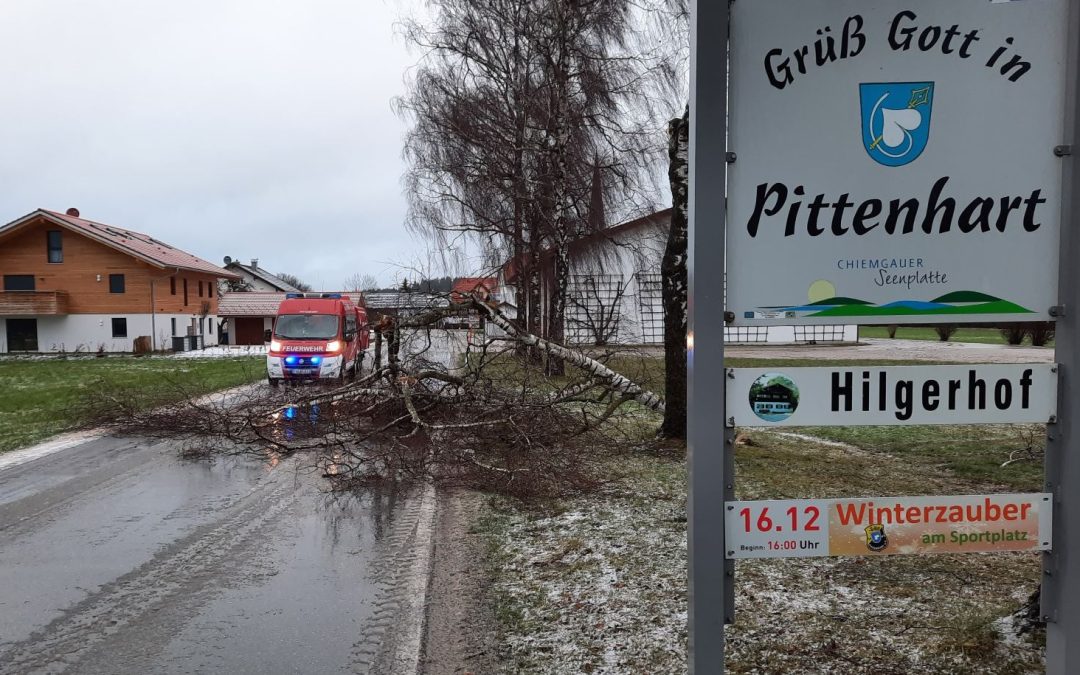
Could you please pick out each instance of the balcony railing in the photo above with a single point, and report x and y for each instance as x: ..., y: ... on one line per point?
x: 33, y: 303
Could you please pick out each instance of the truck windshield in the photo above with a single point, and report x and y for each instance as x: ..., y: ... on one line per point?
x: 306, y: 326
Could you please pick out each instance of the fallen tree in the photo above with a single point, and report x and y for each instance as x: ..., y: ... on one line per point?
x: 489, y: 419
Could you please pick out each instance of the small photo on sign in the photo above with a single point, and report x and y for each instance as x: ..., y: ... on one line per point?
x: 774, y: 397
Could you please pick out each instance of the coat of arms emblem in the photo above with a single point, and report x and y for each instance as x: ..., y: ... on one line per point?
x: 896, y: 120
x: 875, y: 537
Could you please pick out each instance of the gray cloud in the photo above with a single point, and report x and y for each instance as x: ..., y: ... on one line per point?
x: 249, y: 128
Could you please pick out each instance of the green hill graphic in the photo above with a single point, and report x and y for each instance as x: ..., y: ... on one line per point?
x: 994, y: 307
x: 840, y: 300
x: 966, y: 296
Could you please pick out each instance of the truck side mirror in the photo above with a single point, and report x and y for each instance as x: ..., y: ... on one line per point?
x: 349, y: 335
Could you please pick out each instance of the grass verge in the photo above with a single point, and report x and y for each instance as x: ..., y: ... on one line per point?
x: 990, y: 336
x: 43, y: 397
x: 598, y: 583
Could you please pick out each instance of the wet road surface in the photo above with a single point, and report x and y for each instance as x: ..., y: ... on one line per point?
x: 117, y: 556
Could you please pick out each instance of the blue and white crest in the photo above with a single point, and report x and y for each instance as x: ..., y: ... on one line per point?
x: 896, y: 120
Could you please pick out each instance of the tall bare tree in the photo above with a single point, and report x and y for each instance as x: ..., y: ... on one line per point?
x: 517, y: 107
x: 294, y: 281
x: 361, y: 282
x: 674, y: 280
x: 669, y: 25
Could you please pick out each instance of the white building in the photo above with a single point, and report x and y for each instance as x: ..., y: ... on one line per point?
x: 614, y: 293
x: 254, y: 278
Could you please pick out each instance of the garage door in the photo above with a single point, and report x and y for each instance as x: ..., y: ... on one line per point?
x: 249, y: 331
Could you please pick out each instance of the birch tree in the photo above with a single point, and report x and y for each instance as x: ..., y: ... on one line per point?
x: 670, y: 25
x: 517, y: 107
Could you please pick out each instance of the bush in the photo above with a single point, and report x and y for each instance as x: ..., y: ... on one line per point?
x: 945, y: 331
x: 1013, y: 333
x: 891, y: 328
x: 1041, y: 332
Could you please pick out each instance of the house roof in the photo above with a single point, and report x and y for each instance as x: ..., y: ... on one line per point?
x: 136, y: 244
x: 260, y: 273
x: 466, y: 285
x: 249, y: 303
x: 265, y: 303
x: 470, y: 284
x: 660, y: 218
x: 404, y: 300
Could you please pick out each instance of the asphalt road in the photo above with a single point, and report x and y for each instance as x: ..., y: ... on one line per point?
x: 117, y: 556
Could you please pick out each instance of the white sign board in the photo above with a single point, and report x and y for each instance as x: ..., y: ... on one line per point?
x: 804, y: 528
x: 894, y: 161
x: 892, y: 395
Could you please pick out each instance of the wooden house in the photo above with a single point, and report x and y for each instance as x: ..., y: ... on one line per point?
x: 75, y: 285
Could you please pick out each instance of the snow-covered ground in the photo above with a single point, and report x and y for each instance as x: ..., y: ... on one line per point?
x: 220, y: 351
x: 442, y: 347
x: 597, y: 584
x: 601, y: 586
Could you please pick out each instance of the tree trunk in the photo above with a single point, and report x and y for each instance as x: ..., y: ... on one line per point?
x: 559, y: 139
x: 619, y: 384
x: 378, y: 348
x: 523, y: 280
x: 674, y: 282
x: 534, y: 310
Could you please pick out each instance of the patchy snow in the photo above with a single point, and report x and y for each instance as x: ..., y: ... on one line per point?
x: 812, y: 439
x: 220, y: 351
x: 15, y: 458
x: 600, y: 587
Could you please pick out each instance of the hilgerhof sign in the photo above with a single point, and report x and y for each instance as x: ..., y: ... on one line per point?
x: 894, y: 160
x: 843, y: 396
x: 888, y: 525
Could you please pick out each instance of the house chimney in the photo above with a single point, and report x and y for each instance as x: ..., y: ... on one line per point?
x: 254, y: 262
x: 73, y: 212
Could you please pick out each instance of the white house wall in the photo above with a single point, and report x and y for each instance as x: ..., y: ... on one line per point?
x: 634, y: 255
x: 93, y: 332
x: 625, y: 257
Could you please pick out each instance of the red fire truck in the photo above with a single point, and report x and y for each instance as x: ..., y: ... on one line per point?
x: 317, y: 336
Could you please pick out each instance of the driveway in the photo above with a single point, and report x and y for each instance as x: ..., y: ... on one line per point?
x: 903, y: 350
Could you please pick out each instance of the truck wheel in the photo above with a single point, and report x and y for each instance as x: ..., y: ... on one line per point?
x: 274, y: 382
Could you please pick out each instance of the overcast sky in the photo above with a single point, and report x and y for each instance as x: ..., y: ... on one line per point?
x: 249, y: 128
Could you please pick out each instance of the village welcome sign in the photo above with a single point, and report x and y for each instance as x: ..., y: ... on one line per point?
x: 895, y: 161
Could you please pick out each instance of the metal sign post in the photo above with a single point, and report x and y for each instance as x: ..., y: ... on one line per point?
x: 1061, y: 566
x: 846, y: 207
x: 709, y: 451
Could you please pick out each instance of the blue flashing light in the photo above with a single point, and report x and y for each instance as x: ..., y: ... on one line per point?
x: 316, y: 360
x: 290, y: 360
x: 290, y: 412
x: 332, y: 296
